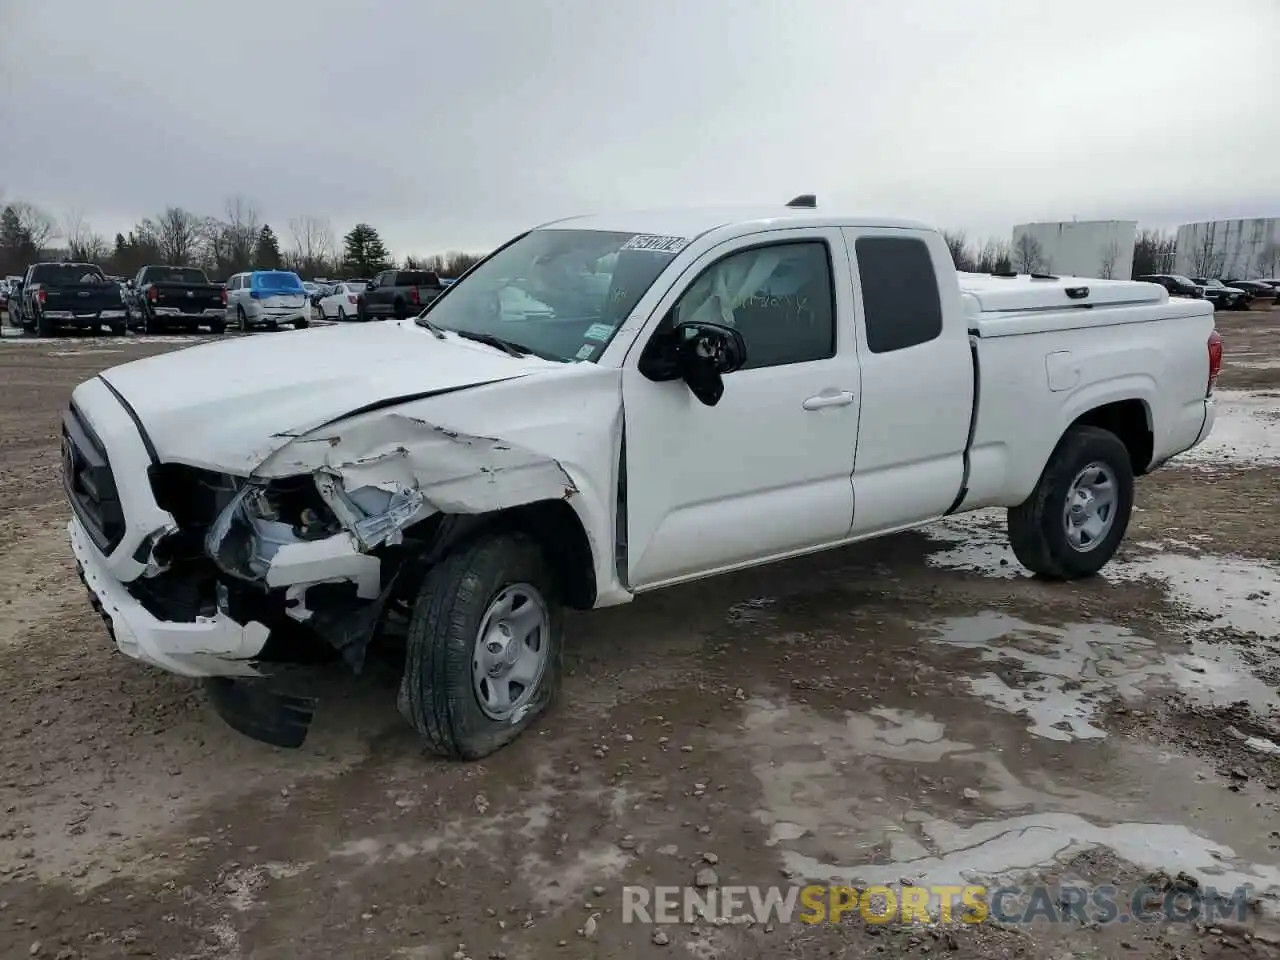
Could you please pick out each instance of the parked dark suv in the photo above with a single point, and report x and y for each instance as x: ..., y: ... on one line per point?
x: 1176, y: 284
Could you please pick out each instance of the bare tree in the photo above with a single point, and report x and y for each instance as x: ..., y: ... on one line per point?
x: 82, y: 243
x: 1206, y: 260
x: 313, y: 243
x: 1027, y: 254
x: 37, y: 225
x: 1269, y: 260
x: 1107, y: 262
x: 178, y: 234
x: 961, y: 256
x: 1153, y: 252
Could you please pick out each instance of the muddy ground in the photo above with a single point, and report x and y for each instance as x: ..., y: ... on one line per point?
x: 913, y: 710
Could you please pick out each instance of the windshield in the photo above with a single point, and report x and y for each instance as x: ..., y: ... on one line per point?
x: 561, y: 294
x: 281, y: 280
x: 1183, y: 280
x: 176, y: 275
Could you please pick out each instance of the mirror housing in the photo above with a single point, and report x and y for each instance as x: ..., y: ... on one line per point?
x: 698, y: 353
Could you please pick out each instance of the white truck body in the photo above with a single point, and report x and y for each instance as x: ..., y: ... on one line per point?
x: 396, y: 425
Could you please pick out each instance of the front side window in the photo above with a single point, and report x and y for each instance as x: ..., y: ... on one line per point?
x: 778, y: 297
x: 559, y: 294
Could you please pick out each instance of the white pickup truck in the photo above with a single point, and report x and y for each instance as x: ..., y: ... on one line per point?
x: 605, y: 406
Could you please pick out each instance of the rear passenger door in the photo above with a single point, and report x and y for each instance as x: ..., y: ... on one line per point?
x: 917, y: 378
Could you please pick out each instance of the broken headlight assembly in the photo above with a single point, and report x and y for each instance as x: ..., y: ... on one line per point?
x: 263, y: 517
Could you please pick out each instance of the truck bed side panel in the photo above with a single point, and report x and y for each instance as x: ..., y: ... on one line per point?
x: 1035, y: 385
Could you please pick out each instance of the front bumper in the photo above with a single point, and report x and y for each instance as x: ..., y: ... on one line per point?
x: 214, y: 646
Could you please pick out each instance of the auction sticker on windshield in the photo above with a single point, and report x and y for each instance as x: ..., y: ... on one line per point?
x: 598, y: 331
x: 655, y: 244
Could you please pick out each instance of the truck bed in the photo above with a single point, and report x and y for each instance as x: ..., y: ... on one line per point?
x: 1001, y: 305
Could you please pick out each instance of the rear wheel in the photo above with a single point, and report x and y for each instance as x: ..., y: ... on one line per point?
x: 484, y: 647
x: 342, y: 315
x: 401, y: 310
x: 218, y: 327
x: 1075, y: 518
x: 301, y: 324
x: 44, y: 326
x: 118, y: 329
x: 242, y: 320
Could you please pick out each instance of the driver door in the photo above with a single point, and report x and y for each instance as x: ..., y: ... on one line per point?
x: 766, y: 472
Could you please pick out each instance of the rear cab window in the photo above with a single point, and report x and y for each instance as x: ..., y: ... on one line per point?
x: 900, y: 299
x: 56, y: 274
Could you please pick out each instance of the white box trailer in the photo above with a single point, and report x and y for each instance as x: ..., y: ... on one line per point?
x: 1077, y: 248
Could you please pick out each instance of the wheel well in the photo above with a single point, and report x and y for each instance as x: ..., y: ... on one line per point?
x: 556, y: 528
x: 1128, y: 420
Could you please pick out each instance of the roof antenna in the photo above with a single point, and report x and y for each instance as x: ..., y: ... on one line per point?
x: 806, y: 201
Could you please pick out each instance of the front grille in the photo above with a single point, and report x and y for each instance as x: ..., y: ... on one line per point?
x: 89, y: 482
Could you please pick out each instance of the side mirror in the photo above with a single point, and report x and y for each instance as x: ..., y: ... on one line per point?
x: 698, y: 353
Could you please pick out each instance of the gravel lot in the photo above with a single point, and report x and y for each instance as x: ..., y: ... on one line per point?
x: 911, y: 709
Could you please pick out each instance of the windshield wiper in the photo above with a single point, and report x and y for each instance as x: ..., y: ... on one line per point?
x: 506, y: 346
x: 437, y: 332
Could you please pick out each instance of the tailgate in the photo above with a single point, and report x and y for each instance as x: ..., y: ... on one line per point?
x: 83, y: 297
x: 190, y: 298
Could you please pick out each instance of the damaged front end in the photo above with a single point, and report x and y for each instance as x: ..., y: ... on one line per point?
x: 314, y: 563
x: 310, y: 551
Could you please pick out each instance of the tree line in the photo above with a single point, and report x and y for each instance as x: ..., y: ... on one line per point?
x: 240, y: 239
x: 1153, y: 252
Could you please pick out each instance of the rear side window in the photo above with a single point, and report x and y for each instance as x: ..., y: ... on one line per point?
x: 900, y: 297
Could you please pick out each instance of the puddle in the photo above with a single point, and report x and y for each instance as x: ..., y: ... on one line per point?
x: 835, y: 799
x: 1068, y: 671
x: 978, y: 543
x: 1245, y: 434
x: 1220, y: 592
x: 942, y: 852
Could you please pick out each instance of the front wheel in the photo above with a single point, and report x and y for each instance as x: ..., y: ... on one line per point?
x: 242, y: 320
x: 301, y: 324
x: 342, y: 315
x: 484, y: 647
x: 1075, y: 518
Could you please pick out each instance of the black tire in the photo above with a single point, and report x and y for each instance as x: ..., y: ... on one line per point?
x: 342, y: 315
x: 217, y: 329
x: 1038, y: 526
x: 301, y: 324
x: 400, y: 310
x: 437, y: 693
x: 242, y: 320
x: 118, y: 329
x: 44, y: 326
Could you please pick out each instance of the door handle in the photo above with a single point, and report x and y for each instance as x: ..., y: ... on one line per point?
x: 824, y: 400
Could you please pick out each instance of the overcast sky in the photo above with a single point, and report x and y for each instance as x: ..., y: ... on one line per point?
x: 455, y: 124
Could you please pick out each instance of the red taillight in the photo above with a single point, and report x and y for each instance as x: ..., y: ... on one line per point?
x: 153, y: 295
x: 224, y: 296
x: 351, y: 298
x: 413, y: 296
x: 1215, y: 361
x: 41, y: 296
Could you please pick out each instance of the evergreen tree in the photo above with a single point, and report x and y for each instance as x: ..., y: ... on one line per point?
x: 267, y: 256
x: 364, y: 253
x: 17, y: 248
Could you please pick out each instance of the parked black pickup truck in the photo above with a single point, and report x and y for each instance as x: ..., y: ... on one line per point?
x: 161, y: 298
x: 398, y: 293
x: 56, y: 295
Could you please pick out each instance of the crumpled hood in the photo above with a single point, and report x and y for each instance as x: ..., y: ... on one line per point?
x: 227, y: 406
